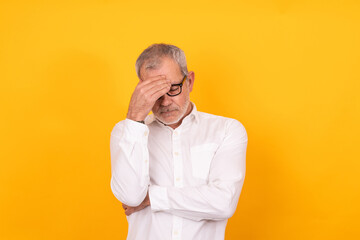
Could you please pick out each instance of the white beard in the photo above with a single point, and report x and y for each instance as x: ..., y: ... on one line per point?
x: 182, y: 112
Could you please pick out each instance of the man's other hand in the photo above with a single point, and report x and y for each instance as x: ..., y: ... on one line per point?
x: 130, y: 210
x: 145, y: 95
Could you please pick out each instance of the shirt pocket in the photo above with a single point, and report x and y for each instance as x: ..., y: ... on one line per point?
x: 201, y: 157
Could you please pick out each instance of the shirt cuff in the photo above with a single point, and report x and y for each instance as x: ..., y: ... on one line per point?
x: 158, y: 198
x: 135, y: 129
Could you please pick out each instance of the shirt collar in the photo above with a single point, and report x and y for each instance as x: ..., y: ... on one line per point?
x: 194, y: 115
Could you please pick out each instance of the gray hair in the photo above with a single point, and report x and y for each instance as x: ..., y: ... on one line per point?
x: 152, y: 56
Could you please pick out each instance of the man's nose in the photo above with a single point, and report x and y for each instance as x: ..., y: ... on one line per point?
x: 165, y: 100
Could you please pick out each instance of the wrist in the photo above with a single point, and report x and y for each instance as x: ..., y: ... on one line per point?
x: 136, y: 118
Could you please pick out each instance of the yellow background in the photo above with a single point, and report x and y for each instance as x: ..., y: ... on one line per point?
x: 289, y: 70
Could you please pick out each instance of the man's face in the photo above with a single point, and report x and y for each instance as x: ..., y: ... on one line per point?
x: 171, y: 110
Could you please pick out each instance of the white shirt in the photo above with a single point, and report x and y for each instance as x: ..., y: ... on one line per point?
x: 194, y: 175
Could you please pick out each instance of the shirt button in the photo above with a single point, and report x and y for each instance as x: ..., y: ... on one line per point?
x: 175, y: 232
x: 176, y: 153
x: 177, y: 179
x: 146, y: 161
x: 175, y: 133
x: 145, y: 134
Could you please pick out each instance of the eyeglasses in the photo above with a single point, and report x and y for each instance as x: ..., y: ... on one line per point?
x: 176, y: 89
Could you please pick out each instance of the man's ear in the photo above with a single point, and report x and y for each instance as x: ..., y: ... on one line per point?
x: 190, y: 80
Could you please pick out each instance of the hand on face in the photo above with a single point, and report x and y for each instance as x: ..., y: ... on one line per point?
x: 145, y: 95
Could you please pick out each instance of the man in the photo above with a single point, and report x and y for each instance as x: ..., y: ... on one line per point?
x: 178, y: 172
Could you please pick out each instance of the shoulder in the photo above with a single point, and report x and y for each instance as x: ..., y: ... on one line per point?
x: 228, y: 125
x: 216, y: 119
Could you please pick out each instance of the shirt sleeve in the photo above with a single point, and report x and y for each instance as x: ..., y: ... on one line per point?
x: 217, y: 200
x: 129, y: 162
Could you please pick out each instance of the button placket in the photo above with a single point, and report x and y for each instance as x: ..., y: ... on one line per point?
x: 177, y: 157
x: 145, y: 154
x: 177, y: 228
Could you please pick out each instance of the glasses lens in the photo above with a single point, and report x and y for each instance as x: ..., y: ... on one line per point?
x: 174, y: 90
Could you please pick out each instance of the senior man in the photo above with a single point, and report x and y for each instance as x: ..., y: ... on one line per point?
x: 178, y: 172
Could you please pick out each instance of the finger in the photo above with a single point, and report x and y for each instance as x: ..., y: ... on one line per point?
x: 150, y: 90
x: 149, y: 79
x: 129, y: 211
x: 159, y: 87
x: 157, y: 93
x: 146, y: 86
x: 124, y: 206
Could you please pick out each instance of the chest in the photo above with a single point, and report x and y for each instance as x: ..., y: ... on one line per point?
x: 182, y: 158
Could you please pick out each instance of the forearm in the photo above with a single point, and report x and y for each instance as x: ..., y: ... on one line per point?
x: 129, y: 162
x: 207, y: 202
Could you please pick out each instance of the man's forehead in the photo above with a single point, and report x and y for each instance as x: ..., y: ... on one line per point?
x: 161, y: 66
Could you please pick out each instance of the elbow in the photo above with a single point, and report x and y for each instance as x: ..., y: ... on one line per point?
x: 227, y: 204
x: 132, y: 197
x: 226, y: 211
x: 133, y: 201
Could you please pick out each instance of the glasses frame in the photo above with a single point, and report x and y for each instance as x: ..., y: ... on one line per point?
x: 177, y: 85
